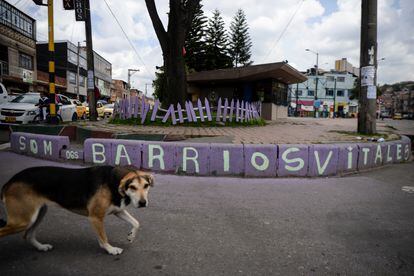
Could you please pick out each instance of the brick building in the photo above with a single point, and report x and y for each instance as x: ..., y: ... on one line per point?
x: 17, y: 49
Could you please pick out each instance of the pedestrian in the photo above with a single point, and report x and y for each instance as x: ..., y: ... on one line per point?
x: 43, y: 106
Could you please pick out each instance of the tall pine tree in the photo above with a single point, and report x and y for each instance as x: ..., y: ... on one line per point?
x: 216, y: 44
x: 194, y: 44
x: 240, y: 43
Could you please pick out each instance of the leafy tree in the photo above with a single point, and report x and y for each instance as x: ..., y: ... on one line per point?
x: 240, y: 43
x: 159, y: 84
x: 216, y: 44
x: 172, y: 40
x: 194, y: 44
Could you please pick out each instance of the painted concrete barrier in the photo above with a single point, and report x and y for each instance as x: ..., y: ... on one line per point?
x: 39, y: 145
x: 220, y: 159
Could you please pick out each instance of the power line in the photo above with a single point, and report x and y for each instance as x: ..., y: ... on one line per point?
x: 285, y: 29
x: 126, y: 36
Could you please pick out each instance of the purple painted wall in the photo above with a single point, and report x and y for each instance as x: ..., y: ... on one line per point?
x: 260, y: 160
x: 219, y: 159
x: 39, y: 145
x: 293, y: 160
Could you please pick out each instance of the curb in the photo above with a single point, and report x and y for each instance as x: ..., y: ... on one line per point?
x: 216, y: 159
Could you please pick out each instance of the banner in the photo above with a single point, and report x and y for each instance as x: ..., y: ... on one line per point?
x: 80, y: 10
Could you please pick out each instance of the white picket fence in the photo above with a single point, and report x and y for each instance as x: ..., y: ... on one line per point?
x: 236, y: 110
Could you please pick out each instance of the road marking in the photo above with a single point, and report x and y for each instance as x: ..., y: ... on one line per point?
x: 408, y: 189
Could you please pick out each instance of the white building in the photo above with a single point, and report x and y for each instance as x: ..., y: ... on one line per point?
x: 332, y: 95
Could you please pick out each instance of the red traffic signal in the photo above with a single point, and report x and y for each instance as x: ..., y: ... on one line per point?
x: 69, y: 4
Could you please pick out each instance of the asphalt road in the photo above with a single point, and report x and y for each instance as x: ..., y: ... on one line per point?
x: 357, y: 225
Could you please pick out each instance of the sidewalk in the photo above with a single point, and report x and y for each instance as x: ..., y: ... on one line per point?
x: 283, y: 131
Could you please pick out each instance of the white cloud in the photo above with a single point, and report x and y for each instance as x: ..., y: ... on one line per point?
x: 334, y: 35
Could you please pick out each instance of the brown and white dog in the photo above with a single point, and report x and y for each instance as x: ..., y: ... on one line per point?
x: 93, y: 192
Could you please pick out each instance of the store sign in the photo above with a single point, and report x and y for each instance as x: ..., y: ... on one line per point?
x: 27, y: 76
x: 80, y: 10
x: 69, y: 4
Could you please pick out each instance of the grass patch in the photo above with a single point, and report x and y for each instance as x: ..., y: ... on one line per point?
x: 168, y: 123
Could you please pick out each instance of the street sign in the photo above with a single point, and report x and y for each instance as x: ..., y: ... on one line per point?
x: 69, y: 4
x: 80, y: 10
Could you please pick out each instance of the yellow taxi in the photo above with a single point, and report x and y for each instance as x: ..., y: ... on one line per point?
x: 99, y: 109
x: 80, y: 109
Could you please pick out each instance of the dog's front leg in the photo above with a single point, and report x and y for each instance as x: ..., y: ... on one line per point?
x: 98, y: 225
x: 125, y: 216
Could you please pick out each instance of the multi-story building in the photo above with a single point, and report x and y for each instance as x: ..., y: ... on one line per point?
x: 119, y: 90
x: 332, y: 95
x: 342, y: 65
x: 69, y: 58
x: 66, y: 68
x: 17, y: 49
x: 103, y: 74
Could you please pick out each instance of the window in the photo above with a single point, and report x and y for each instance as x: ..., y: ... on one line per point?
x: 340, y: 79
x: 330, y: 78
x: 311, y: 93
x: 72, y: 57
x: 329, y: 92
x: 25, y: 61
x: 340, y: 93
x: 72, y: 77
x: 299, y: 92
x: 15, y: 19
x: 81, y: 80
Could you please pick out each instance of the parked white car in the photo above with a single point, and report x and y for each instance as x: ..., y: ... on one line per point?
x: 4, y: 96
x: 23, y: 109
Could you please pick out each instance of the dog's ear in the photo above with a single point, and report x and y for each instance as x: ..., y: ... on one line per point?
x: 150, y: 179
x: 121, y: 176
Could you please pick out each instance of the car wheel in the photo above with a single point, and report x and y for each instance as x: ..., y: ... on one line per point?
x: 74, y: 117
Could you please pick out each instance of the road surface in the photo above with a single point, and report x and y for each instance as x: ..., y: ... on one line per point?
x: 357, y: 225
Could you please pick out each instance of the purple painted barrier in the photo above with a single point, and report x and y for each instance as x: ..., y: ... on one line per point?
x: 219, y: 159
x: 226, y: 159
x: 293, y: 160
x: 200, y: 110
x: 125, y: 152
x: 154, y: 111
x: 38, y: 145
x: 348, y: 158
x: 98, y: 151
x: 158, y: 156
x: 323, y: 160
x: 192, y: 159
x: 260, y: 160
x: 366, y: 156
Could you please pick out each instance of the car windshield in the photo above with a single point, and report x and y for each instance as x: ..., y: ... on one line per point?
x: 32, y: 99
x: 109, y: 105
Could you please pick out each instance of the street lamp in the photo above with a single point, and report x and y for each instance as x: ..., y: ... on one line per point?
x: 316, y: 75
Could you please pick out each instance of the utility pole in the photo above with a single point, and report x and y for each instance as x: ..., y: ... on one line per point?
x: 130, y: 73
x: 51, y: 47
x: 91, y: 68
x: 297, y: 99
x: 368, y: 68
x: 77, y: 73
x: 334, y: 105
x: 316, y: 79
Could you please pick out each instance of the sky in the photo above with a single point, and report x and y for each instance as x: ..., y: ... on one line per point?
x: 329, y: 27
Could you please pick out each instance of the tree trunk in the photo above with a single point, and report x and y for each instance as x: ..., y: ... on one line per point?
x: 172, y: 43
